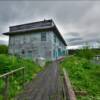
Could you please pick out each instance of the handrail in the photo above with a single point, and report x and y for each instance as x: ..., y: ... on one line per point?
x: 6, y: 80
x: 13, y: 71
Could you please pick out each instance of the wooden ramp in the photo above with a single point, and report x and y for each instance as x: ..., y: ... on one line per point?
x: 47, y: 86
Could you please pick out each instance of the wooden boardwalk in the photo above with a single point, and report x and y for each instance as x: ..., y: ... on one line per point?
x: 47, y: 86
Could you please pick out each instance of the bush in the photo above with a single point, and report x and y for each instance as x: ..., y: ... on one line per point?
x: 84, y: 75
x: 3, y: 49
x: 86, y: 52
x: 9, y: 63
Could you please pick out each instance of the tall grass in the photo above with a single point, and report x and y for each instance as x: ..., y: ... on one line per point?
x: 84, y: 76
x: 9, y: 63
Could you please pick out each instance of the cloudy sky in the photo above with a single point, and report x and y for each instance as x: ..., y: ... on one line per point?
x: 78, y: 21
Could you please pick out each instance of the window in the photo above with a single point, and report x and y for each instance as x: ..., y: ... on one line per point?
x: 43, y: 36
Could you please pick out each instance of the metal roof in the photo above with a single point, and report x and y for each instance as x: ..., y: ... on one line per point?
x: 35, y: 26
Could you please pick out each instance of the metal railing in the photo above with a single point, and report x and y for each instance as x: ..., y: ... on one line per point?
x: 6, y: 77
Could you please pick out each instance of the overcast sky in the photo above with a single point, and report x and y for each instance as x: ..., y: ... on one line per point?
x: 78, y: 21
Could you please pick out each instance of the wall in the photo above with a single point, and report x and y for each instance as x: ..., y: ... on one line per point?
x: 24, y: 43
x: 30, y: 45
x: 58, y: 48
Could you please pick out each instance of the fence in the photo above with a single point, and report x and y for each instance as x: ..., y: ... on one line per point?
x: 6, y: 77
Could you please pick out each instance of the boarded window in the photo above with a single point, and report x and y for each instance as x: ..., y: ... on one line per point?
x: 43, y: 36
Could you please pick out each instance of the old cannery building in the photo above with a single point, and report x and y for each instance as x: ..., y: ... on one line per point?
x: 37, y: 39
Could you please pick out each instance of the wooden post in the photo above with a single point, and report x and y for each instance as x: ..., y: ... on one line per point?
x: 23, y: 77
x: 70, y: 91
x: 6, y: 94
x: 6, y: 76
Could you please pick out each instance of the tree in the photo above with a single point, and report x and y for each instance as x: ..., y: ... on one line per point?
x: 86, y: 52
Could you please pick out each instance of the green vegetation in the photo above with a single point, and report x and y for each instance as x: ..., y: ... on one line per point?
x: 3, y: 49
x: 97, y: 51
x: 83, y: 73
x: 9, y: 63
x: 84, y: 76
x: 86, y: 52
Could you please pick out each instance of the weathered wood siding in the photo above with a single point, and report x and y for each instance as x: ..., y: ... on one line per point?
x: 57, y: 45
x: 29, y: 45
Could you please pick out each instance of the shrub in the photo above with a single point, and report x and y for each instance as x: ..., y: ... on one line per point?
x: 3, y: 49
x: 84, y: 75
x: 9, y: 63
x: 86, y: 52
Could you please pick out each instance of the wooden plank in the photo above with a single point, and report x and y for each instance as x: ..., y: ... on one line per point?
x: 69, y: 91
x: 13, y: 71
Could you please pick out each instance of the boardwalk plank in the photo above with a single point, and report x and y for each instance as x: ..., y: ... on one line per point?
x: 47, y: 86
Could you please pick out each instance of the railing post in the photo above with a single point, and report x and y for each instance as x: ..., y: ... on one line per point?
x: 69, y: 89
x: 23, y: 77
x: 5, y: 92
x: 6, y: 76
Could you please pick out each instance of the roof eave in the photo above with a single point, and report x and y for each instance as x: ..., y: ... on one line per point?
x: 22, y: 31
x: 38, y: 29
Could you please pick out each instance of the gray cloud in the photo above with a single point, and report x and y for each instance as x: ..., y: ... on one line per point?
x: 3, y: 42
x: 79, y: 19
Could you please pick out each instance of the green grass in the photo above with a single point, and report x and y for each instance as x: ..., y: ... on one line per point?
x: 9, y: 63
x: 84, y: 76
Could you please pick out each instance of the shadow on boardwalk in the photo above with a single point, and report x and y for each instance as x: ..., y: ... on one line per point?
x: 47, y: 86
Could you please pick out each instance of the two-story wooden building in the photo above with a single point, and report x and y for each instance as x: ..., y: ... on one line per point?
x: 37, y: 39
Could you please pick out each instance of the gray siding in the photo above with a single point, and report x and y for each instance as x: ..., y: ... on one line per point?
x: 58, y: 44
x: 30, y: 45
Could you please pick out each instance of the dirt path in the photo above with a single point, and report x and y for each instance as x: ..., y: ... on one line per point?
x: 47, y: 86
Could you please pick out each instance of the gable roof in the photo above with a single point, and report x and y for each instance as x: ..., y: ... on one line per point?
x: 35, y: 26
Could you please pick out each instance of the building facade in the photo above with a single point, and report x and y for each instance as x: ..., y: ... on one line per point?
x: 35, y: 40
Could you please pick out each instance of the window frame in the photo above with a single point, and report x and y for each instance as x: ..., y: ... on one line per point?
x: 43, y: 36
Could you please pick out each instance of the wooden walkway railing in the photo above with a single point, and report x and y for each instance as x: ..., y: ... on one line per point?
x: 5, y: 77
x: 69, y: 92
